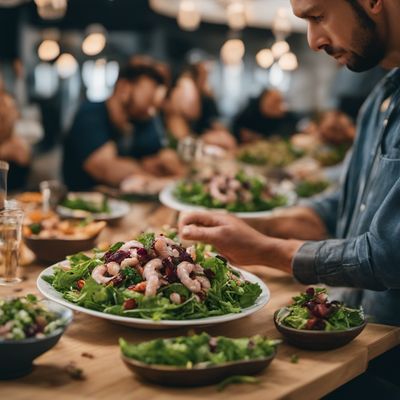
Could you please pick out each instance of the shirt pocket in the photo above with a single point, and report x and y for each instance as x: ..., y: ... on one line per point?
x: 386, y: 175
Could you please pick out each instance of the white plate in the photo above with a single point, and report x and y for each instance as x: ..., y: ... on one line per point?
x: 168, y: 198
x: 48, y: 291
x: 118, y: 208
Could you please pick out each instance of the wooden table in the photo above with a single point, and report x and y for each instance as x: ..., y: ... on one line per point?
x: 315, y: 374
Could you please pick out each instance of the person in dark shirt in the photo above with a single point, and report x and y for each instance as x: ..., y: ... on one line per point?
x: 263, y: 117
x: 108, y: 139
x: 13, y: 149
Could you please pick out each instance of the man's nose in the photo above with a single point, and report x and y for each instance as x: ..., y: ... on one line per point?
x: 317, y: 38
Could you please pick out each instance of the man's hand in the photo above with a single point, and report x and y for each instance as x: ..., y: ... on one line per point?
x: 237, y: 241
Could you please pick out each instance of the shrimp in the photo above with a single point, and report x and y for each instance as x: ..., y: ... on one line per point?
x: 183, y: 270
x: 221, y: 192
x: 131, y: 244
x: 204, y: 282
x: 161, y: 247
x: 150, y: 273
x: 175, y: 298
x: 129, y: 262
x: 113, y: 268
x: 192, y: 252
x: 98, y: 274
x: 234, y: 184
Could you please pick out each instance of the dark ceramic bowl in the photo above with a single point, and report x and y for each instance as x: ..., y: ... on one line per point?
x: 197, y: 376
x: 52, y: 250
x: 17, y: 356
x: 317, y: 340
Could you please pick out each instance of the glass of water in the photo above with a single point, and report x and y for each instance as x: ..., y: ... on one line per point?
x: 10, y: 240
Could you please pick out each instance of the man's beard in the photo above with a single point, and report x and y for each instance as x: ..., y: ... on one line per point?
x: 371, y: 49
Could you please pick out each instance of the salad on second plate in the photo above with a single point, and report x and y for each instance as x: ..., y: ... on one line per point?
x: 236, y: 192
x: 154, y: 277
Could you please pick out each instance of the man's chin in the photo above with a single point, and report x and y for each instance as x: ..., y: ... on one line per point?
x: 362, y: 64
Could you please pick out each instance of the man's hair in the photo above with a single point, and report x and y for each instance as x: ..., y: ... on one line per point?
x: 365, y: 19
x: 132, y: 73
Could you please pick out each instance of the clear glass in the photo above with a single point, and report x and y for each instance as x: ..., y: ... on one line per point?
x: 3, y: 183
x: 10, y: 240
x: 52, y: 193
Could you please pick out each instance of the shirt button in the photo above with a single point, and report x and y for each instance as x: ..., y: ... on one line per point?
x: 362, y: 207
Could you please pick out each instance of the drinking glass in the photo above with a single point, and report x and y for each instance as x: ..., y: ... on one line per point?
x: 3, y: 183
x: 52, y: 193
x: 10, y: 240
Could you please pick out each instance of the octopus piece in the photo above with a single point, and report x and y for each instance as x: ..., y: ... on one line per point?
x: 98, y: 274
x: 131, y: 244
x: 183, y: 270
x: 151, y: 274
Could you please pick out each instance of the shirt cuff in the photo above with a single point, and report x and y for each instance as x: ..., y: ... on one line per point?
x: 304, y: 263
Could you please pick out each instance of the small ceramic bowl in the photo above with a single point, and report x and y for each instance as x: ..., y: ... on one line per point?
x: 197, y: 376
x: 52, y: 250
x: 317, y: 340
x: 17, y: 356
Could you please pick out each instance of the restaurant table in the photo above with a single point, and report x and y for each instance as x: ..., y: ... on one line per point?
x: 92, y: 345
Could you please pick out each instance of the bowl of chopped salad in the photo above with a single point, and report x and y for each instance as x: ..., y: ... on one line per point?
x: 153, y: 282
x: 315, y: 323
x: 28, y: 328
x: 198, y: 360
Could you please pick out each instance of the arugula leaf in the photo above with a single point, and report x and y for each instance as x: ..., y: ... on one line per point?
x: 147, y: 240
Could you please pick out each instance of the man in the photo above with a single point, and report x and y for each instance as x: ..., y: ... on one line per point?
x: 364, y: 216
x: 264, y: 116
x: 96, y: 149
x: 13, y: 149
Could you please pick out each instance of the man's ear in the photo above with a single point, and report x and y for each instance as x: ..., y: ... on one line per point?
x: 373, y: 6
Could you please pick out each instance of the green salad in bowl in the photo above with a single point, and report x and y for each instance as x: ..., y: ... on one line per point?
x: 312, y: 322
x: 311, y: 310
x: 199, y: 359
x: 26, y: 317
x: 155, y: 278
x: 199, y: 350
x: 238, y: 192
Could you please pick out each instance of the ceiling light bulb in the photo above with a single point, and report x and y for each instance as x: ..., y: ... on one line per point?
x: 280, y: 48
x: 288, y: 62
x: 48, y: 50
x: 265, y: 58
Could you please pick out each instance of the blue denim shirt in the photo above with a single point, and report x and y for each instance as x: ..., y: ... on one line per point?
x: 364, y: 215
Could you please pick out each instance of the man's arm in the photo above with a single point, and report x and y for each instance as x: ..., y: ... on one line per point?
x: 297, y: 222
x: 106, y: 166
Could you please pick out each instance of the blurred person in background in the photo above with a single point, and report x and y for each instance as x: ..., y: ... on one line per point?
x: 13, y: 149
x: 190, y: 109
x: 109, y: 140
x: 264, y: 116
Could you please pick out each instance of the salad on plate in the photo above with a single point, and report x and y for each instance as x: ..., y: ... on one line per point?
x: 238, y: 192
x: 154, y: 278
